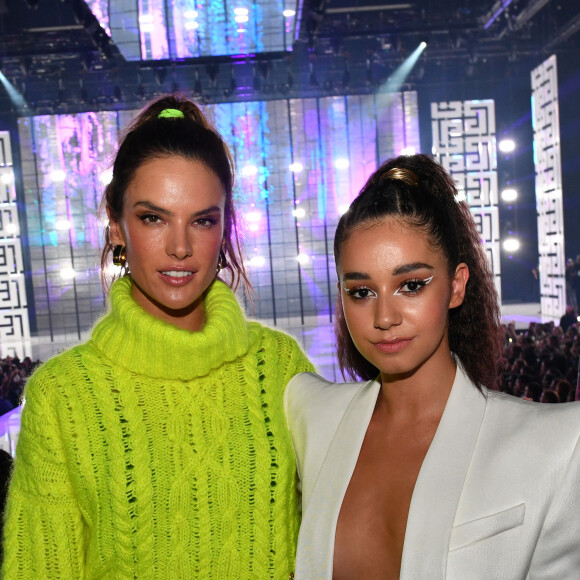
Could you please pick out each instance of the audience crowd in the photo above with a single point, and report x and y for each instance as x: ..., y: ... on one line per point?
x: 13, y: 375
x: 541, y: 363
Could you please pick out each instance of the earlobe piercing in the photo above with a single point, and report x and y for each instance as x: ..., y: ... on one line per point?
x: 120, y: 256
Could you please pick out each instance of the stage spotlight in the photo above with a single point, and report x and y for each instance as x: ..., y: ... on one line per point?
x: 509, y: 194
x: 253, y: 216
x: 106, y: 177
x: 15, y: 96
x: 62, y: 225
x: 296, y: 167
x: 257, y: 261
x: 343, y: 208
x: 342, y: 163
x: 303, y: 259
x: 249, y: 170
x: 289, y: 13
x: 57, y: 175
x: 67, y: 273
x: 506, y: 145
x: 396, y: 80
x: 299, y: 212
x: 511, y: 245
x: 7, y: 178
x: 408, y: 151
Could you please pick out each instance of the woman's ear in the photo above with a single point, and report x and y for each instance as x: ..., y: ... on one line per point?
x: 115, y: 231
x: 458, y: 285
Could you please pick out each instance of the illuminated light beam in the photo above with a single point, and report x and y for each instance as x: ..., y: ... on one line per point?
x: 17, y: 99
x: 397, y: 79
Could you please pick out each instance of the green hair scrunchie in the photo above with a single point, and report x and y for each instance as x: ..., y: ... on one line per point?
x: 171, y: 114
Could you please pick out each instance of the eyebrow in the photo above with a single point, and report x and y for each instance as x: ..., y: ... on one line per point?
x: 404, y: 269
x: 151, y: 206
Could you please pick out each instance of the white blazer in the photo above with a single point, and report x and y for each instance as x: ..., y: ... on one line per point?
x: 497, y: 496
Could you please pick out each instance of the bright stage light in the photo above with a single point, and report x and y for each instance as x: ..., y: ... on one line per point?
x: 296, y: 167
x: 509, y: 194
x: 241, y: 19
x: 62, y: 225
x: 11, y: 228
x: 511, y: 245
x: 67, y: 273
x: 303, y: 259
x: 506, y: 145
x: 106, y: 176
x: 408, y: 151
x: 57, y: 175
x: 299, y: 212
x: 192, y: 25
x: 254, y: 227
x: 190, y: 14
x: 396, y: 80
x: 253, y: 216
x: 343, y: 208
x: 7, y: 178
x: 342, y: 163
x: 257, y: 261
x: 15, y: 97
x: 289, y: 13
x: 249, y: 170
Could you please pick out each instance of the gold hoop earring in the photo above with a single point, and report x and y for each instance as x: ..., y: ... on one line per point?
x: 222, y: 262
x: 120, y: 256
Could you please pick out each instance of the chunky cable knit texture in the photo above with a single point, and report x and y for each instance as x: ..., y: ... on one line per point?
x: 153, y: 452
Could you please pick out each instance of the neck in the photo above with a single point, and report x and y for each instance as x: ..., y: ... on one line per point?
x: 420, y: 393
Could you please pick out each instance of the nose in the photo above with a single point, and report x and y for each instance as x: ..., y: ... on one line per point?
x: 387, y: 313
x: 179, y: 243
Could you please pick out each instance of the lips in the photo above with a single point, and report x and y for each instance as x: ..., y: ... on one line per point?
x: 392, y: 346
x: 176, y: 277
x: 177, y: 273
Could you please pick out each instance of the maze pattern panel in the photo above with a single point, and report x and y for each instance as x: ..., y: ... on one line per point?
x: 547, y: 160
x: 464, y: 142
x: 14, y: 325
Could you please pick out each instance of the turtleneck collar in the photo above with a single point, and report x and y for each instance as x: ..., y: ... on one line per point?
x: 138, y: 341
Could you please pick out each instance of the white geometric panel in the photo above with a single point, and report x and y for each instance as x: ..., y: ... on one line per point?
x: 464, y: 143
x: 547, y: 160
x: 14, y: 323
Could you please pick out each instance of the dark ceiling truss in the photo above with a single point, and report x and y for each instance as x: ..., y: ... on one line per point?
x: 62, y: 60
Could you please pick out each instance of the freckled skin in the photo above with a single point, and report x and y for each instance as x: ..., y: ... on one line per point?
x: 173, y: 220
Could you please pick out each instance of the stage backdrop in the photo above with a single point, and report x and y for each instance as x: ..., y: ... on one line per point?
x: 299, y: 164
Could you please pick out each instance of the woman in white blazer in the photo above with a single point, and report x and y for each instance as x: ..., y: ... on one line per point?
x: 421, y: 472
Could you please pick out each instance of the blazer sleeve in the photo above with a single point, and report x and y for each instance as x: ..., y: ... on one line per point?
x: 44, y: 529
x: 557, y: 555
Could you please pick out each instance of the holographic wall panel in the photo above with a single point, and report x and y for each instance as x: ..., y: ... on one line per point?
x: 464, y: 142
x: 169, y: 29
x: 14, y: 324
x: 299, y: 164
x: 548, y: 164
x: 64, y: 160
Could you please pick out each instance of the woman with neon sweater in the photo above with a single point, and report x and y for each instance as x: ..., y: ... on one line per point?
x: 159, y: 448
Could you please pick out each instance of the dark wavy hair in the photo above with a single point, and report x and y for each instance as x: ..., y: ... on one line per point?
x: 192, y: 137
x: 430, y: 204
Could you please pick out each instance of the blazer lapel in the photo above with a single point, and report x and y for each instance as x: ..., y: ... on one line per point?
x: 318, y: 528
x: 440, y: 482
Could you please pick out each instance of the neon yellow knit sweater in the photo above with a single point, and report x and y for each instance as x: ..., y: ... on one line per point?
x: 153, y: 452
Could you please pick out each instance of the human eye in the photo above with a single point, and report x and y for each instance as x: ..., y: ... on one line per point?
x: 359, y: 293
x: 412, y: 287
x: 150, y: 218
x: 206, y: 221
